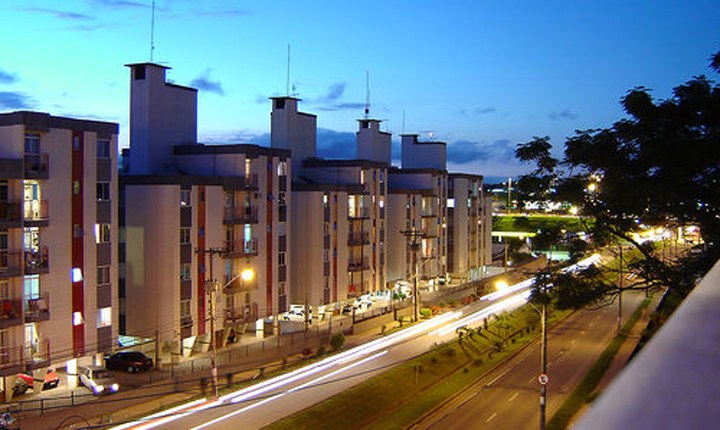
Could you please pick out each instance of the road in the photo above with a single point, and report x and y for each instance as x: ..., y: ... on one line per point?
x: 275, y: 398
x: 508, y: 397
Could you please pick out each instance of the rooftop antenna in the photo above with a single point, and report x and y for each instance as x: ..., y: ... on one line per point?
x: 152, y: 32
x: 287, y: 76
x: 367, y: 93
x: 403, y: 124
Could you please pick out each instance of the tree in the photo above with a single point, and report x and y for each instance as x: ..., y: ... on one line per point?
x: 658, y: 166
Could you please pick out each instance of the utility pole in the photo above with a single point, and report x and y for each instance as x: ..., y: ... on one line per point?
x: 413, y: 236
x: 211, y: 288
x: 543, y: 365
x: 619, y: 317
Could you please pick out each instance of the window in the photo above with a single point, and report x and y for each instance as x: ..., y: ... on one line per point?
x: 104, y: 317
x: 77, y: 318
x: 139, y: 73
x: 282, y: 243
x: 281, y: 259
x: 184, y: 235
x: 184, y: 308
x: 103, y: 148
x: 282, y: 168
x: 103, y: 191
x: 103, y: 275
x: 102, y: 233
x: 185, y: 198
x: 185, y: 271
x: 4, y: 191
x: 76, y: 187
x: 32, y: 143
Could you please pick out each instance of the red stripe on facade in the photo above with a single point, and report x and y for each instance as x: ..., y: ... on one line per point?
x: 200, y: 263
x: 78, y: 252
x: 268, y: 241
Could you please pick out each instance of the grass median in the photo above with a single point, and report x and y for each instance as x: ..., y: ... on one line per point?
x: 405, y: 392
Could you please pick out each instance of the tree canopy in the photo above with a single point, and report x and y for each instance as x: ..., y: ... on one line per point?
x: 658, y: 166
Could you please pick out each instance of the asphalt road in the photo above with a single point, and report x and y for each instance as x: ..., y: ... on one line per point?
x: 508, y: 397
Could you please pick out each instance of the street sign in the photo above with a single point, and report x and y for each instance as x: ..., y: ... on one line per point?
x: 543, y: 379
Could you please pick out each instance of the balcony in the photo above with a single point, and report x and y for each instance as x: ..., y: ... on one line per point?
x: 240, y: 215
x: 359, y: 238
x: 10, y: 215
x: 359, y: 213
x: 36, y: 166
x: 238, y: 285
x: 10, y: 313
x: 37, y: 262
x: 10, y: 263
x: 37, y: 308
x: 241, y: 248
x: 37, y: 354
x: 36, y: 212
x: 358, y: 264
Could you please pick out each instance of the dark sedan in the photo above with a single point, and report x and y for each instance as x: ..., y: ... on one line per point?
x: 132, y: 361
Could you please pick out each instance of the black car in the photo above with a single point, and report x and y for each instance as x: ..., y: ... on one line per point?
x: 132, y: 361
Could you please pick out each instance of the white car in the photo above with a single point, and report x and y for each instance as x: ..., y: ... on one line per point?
x: 98, y: 380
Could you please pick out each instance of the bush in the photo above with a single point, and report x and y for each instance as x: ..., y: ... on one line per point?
x: 425, y: 313
x: 337, y: 341
x: 321, y: 351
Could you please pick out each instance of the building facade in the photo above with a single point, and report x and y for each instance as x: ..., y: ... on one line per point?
x: 58, y: 242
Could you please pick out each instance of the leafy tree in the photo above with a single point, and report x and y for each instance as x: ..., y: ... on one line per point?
x: 658, y: 166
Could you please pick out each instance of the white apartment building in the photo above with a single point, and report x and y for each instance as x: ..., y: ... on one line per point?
x: 196, y: 218
x: 58, y: 242
x: 469, y: 222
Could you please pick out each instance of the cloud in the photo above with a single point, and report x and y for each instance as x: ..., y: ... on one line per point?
x: 204, y: 83
x: 60, y: 14
x: 335, y: 144
x: 332, y: 100
x: 480, y: 110
x: 15, y: 100
x: 7, y: 77
x: 466, y: 151
x: 120, y: 4
x: 564, y: 114
x: 237, y: 136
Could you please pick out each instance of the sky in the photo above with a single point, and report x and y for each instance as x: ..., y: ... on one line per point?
x: 482, y: 76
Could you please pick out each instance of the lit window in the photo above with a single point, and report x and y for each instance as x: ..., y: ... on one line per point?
x: 76, y: 274
x: 184, y: 197
x: 184, y: 308
x: 104, y: 317
x: 451, y: 203
x: 185, y: 272
x: 102, y: 233
x: 77, y: 318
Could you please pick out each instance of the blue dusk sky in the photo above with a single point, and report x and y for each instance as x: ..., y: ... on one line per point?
x: 480, y: 75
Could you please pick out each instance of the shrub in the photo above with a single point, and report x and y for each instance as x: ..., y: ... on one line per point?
x: 337, y: 341
x: 425, y: 313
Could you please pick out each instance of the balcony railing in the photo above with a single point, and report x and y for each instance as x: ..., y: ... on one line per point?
x: 359, y: 238
x: 10, y: 212
x: 240, y: 215
x: 359, y: 213
x: 36, y: 166
x: 37, y: 262
x: 10, y: 263
x: 37, y: 308
x: 10, y: 313
x: 36, y: 210
x: 241, y: 248
x: 358, y: 264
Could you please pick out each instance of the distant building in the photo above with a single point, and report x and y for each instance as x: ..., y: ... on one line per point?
x: 58, y: 242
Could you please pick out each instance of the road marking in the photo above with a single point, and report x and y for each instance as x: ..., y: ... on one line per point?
x: 496, y: 378
x: 514, y: 396
x: 490, y: 418
x: 524, y: 356
x: 533, y: 379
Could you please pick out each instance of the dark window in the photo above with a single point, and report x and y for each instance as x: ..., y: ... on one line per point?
x: 279, y: 103
x: 139, y: 73
x: 282, y: 243
x: 103, y: 148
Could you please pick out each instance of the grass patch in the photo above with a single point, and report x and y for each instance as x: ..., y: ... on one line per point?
x: 404, y: 393
x: 583, y: 393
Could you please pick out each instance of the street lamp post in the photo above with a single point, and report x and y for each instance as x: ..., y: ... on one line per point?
x: 211, y: 289
x: 412, y: 236
x: 543, y: 365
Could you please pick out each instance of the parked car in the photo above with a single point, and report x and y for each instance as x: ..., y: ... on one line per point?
x: 132, y: 361
x: 26, y: 380
x: 98, y: 380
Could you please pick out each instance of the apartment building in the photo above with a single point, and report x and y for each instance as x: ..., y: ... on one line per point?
x: 469, y: 227
x: 197, y: 219
x: 58, y: 242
